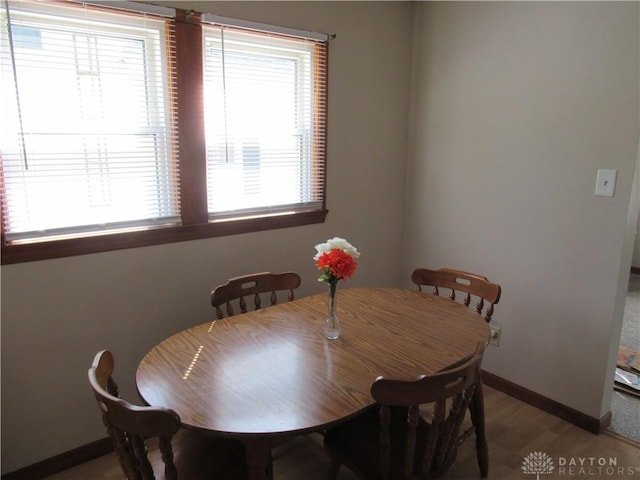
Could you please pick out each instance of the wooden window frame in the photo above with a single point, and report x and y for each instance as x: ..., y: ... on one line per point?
x: 193, y: 189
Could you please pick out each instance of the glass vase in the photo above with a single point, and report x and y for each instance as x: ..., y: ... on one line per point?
x: 332, y: 323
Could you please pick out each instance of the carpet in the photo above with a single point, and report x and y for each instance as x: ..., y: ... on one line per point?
x: 625, y: 408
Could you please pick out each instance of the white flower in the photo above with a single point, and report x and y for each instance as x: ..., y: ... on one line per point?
x: 336, y: 243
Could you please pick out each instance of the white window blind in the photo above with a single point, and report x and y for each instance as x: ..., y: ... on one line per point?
x: 265, y: 107
x: 87, y: 139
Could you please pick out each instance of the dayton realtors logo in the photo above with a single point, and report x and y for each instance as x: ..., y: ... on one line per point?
x: 539, y: 463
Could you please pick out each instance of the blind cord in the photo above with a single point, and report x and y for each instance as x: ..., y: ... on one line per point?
x: 15, y: 81
x: 224, y: 100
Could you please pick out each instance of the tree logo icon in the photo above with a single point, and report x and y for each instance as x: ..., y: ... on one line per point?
x: 537, y: 463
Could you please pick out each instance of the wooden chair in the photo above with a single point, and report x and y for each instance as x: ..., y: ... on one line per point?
x: 183, y: 454
x: 455, y: 281
x: 252, y: 286
x: 463, y: 286
x: 404, y: 444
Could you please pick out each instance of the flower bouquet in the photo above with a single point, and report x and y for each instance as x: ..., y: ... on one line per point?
x: 337, y: 260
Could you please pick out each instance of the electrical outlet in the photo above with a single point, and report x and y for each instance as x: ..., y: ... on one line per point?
x: 495, y: 335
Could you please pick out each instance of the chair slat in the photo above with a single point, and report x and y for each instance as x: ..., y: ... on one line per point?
x: 385, y: 440
x: 166, y: 452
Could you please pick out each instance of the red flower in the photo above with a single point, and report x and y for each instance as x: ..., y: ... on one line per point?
x: 338, y: 264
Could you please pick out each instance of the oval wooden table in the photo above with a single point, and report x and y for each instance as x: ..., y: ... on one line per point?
x: 267, y: 375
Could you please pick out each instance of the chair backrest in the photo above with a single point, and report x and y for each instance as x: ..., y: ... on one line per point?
x: 456, y: 281
x: 129, y: 425
x: 420, y: 449
x: 251, y: 286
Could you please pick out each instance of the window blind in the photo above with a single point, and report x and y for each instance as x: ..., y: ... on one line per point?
x: 88, y: 140
x: 265, y: 115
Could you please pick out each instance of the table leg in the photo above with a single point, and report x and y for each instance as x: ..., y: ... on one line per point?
x: 477, y: 418
x: 258, y: 452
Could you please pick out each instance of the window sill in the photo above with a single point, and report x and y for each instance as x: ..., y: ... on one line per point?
x: 29, y: 252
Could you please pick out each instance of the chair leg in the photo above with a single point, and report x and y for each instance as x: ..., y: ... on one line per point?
x: 477, y: 418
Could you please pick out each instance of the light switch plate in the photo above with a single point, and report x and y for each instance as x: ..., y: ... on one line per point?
x: 606, y: 183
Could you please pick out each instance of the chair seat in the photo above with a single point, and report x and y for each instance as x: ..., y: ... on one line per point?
x: 198, y: 456
x: 357, y: 442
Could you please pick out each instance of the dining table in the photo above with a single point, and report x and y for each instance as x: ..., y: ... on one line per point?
x: 265, y: 376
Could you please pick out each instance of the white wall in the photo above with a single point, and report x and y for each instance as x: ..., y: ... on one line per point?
x: 57, y: 314
x: 635, y: 257
x: 515, y: 107
x: 635, y: 260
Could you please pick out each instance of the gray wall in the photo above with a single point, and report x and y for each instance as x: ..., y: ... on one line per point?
x: 515, y: 105
x: 513, y: 108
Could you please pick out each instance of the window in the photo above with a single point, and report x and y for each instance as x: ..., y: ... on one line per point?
x: 72, y: 160
x: 105, y: 145
x: 258, y: 96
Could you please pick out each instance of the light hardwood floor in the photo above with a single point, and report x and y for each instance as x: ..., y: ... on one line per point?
x: 514, y: 431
